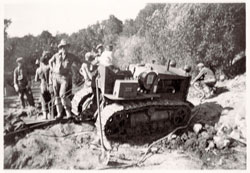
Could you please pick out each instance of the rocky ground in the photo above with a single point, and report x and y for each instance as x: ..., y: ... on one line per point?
x: 215, y: 139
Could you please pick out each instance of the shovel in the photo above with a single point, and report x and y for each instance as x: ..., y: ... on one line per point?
x: 105, y: 155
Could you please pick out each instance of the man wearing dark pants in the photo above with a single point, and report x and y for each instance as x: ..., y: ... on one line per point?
x: 204, y: 81
x: 22, y: 83
x: 43, y: 73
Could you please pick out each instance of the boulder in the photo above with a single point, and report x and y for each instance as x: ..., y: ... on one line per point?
x: 240, y: 122
x: 210, y: 146
x: 197, y: 128
x: 221, y: 142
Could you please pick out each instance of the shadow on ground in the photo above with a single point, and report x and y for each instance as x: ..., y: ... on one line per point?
x: 219, y: 90
x: 207, y: 113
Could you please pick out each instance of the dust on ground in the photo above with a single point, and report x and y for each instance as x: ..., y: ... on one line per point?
x: 215, y: 139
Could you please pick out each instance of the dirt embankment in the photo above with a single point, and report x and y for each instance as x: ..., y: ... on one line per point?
x: 63, y: 146
x: 210, y: 142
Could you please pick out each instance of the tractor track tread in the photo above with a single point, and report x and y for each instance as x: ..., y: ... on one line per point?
x: 133, y: 107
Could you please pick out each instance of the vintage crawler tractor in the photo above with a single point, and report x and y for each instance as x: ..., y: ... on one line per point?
x: 147, y: 99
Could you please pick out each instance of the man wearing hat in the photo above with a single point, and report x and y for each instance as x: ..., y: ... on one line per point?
x: 89, y: 72
x: 99, y: 49
x: 61, y: 64
x: 106, y: 58
x: 172, y: 63
x: 22, y: 83
x: 205, y: 81
x: 43, y: 74
x: 88, y: 69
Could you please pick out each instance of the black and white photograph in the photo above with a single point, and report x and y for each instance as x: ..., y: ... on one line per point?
x: 124, y: 85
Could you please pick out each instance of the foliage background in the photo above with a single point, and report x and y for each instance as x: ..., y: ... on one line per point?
x: 189, y: 33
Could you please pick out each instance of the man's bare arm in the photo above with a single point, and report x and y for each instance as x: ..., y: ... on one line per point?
x: 51, y: 62
x: 36, y: 76
x: 15, y: 77
x: 198, y: 76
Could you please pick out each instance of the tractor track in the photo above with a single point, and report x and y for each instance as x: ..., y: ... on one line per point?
x: 123, y: 121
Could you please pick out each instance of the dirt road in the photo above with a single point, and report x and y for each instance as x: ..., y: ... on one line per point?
x: 67, y: 146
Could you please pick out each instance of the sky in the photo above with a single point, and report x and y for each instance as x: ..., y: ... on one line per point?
x: 61, y: 16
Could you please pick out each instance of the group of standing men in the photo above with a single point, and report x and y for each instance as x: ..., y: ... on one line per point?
x: 56, y: 77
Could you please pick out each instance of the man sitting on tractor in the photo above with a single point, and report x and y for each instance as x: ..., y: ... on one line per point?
x: 87, y: 94
x: 205, y: 81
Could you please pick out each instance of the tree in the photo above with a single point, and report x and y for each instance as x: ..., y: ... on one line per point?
x: 192, y: 33
x: 129, y: 28
x: 128, y: 50
x: 111, y: 29
x: 9, y: 46
x: 7, y: 23
x: 141, y: 21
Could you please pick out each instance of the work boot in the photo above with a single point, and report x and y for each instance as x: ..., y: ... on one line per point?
x: 48, y: 116
x: 59, y: 108
x: 68, y: 113
x: 45, y: 116
x: 59, y: 113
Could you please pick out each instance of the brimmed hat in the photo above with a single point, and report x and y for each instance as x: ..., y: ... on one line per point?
x: 99, y: 46
x: 200, y: 65
x: 63, y: 43
x: 20, y: 59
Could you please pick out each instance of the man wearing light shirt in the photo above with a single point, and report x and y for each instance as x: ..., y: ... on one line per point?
x: 106, y: 58
x: 61, y: 64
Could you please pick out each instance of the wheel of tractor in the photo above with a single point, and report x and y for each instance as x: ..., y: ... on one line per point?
x: 181, y: 117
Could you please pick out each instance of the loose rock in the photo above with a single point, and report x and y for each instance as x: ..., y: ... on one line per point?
x: 184, y: 137
x: 221, y: 142
x: 190, y: 143
x: 197, y: 128
x: 211, y: 145
x: 204, y: 135
x: 191, y: 135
